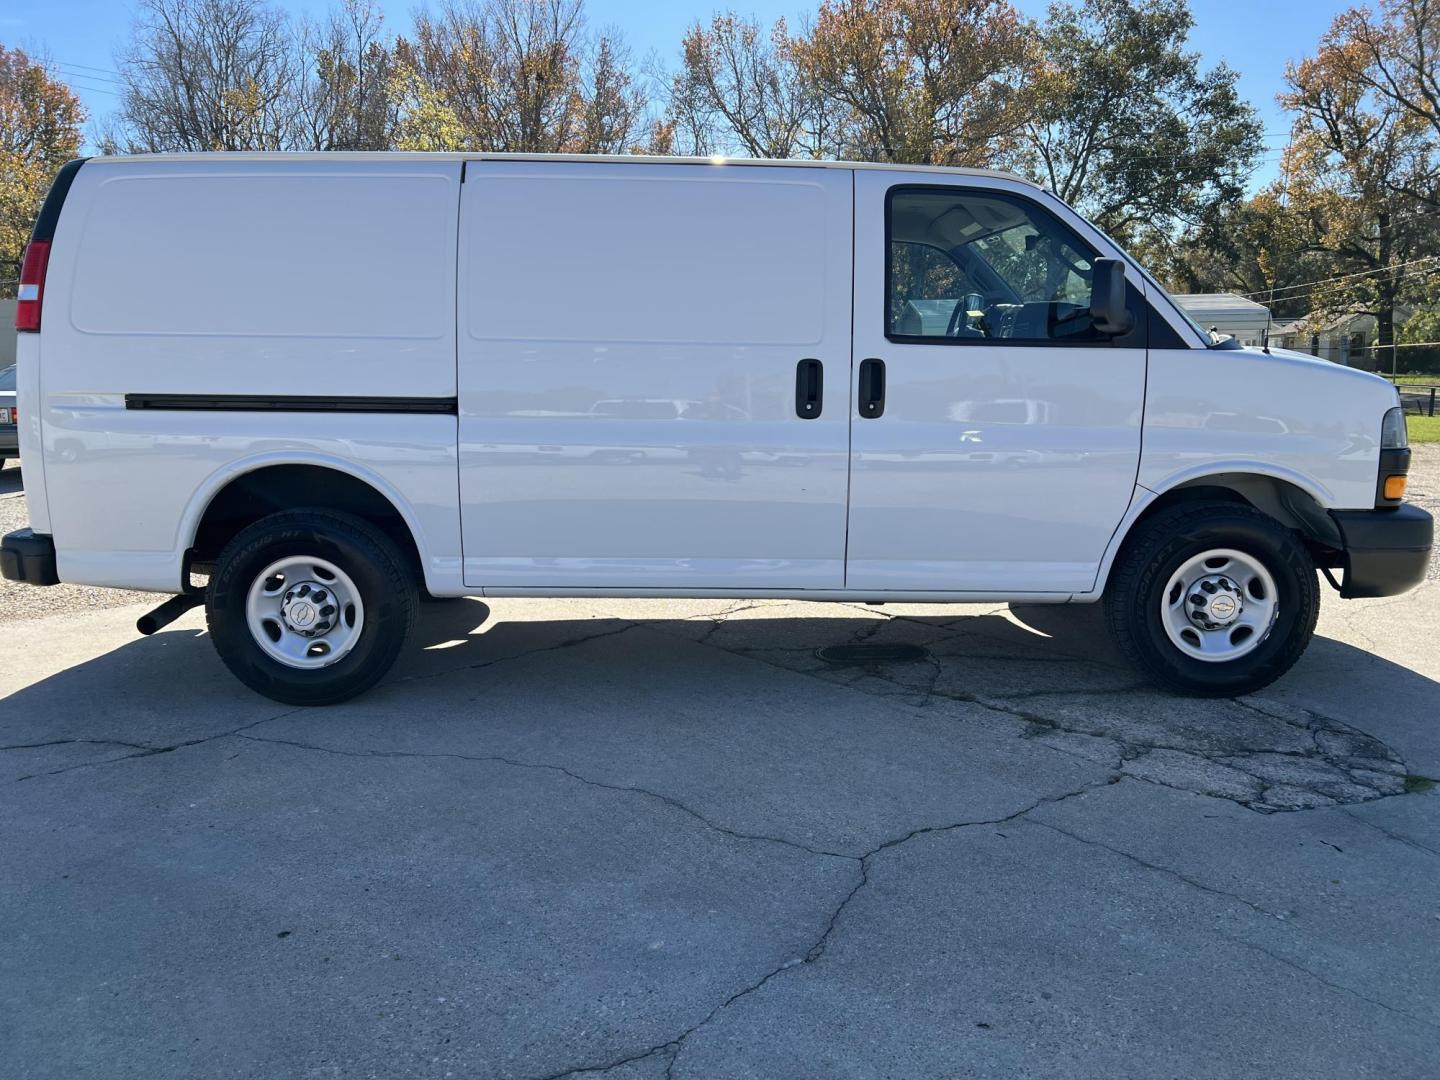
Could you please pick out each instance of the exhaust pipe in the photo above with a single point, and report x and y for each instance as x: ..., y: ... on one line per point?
x: 168, y: 612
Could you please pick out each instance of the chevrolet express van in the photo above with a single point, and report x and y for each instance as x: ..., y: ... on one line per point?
x: 329, y: 384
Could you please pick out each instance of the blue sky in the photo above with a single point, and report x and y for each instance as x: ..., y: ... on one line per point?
x: 1256, y: 37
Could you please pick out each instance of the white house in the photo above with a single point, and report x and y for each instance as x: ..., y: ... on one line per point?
x: 1342, y: 339
x: 1227, y: 313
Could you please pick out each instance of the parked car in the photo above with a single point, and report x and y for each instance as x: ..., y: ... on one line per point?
x: 332, y: 382
x: 9, y: 430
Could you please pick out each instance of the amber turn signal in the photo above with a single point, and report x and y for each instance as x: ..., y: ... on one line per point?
x: 1395, y: 488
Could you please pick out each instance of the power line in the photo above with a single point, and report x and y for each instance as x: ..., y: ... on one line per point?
x: 1306, y: 296
x: 87, y: 67
x: 87, y: 77
x: 87, y: 71
x: 71, y: 81
x: 1332, y: 317
x: 64, y: 70
x: 1342, y: 277
x: 92, y: 89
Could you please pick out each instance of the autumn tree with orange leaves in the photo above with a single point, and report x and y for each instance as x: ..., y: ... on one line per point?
x: 516, y: 75
x: 1360, y: 169
x: 1102, y: 101
x: 40, y: 130
x: 934, y: 82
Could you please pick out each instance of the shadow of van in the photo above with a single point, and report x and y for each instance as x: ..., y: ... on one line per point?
x: 1046, y: 676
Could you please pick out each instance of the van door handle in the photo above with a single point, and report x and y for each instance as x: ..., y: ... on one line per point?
x: 809, y: 389
x: 872, y: 389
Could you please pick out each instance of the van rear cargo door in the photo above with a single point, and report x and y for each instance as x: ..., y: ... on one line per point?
x: 653, y: 375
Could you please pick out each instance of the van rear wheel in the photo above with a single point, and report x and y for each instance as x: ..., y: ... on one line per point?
x: 1213, y: 599
x: 310, y: 607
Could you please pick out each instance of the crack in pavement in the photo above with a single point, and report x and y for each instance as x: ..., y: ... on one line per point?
x: 811, y: 955
x: 1340, y: 764
x: 1177, y: 875
x: 1129, y: 749
x: 1341, y: 987
x: 1416, y: 844
x: 675, y: 1046
x: 153, y: 751
x: 817, y: 950
x: 143, y: 750
x: 78, y: 742
x: 672, y: 1048
x: 499, y: 759
x: 1272, y: 791
x: 719, y: 618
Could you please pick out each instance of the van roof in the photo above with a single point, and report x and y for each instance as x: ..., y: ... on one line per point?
x: 410, y: 155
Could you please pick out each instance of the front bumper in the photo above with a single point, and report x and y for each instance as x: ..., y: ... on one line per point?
x: 29, y: 557
x: 1386, y: 551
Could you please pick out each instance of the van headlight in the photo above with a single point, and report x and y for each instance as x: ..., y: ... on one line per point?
x: 1393, y: 435
x: 1394, y: 459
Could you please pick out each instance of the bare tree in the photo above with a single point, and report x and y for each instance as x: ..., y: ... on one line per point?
x: 739, y: 89
x: 518, y: 75
x: 612, y: 106
x: 207, y: 75
x: 343, y: 86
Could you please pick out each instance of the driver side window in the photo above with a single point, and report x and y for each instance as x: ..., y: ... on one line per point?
x: 977, y: 266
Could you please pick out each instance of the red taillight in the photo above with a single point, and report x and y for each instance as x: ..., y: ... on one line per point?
x: 32, y: 285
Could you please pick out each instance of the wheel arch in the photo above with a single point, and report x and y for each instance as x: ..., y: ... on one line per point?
x: 257, y: 487
x: 1292, y: 501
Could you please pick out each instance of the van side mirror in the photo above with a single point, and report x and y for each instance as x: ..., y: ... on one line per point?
x: 1107, y: 298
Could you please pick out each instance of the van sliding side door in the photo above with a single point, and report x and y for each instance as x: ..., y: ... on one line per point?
x: 653, y: 375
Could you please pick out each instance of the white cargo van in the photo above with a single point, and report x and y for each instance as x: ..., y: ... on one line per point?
x: 333, y: 383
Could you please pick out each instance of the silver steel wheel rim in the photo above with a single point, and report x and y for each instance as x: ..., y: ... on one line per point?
x: 1219, y: 605
x: 304, y: 612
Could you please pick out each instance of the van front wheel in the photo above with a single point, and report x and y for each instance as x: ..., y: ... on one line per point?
x: 310, y: 607
x: 1213, y: 599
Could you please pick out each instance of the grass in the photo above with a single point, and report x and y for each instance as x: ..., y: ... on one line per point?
x: 1423, y: 429
x: 1412, y: 380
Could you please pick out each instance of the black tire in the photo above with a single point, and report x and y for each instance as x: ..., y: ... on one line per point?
x: 1158, y: 547
x: 380, y: 572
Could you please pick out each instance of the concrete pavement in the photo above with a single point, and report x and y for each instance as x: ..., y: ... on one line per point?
x: 664, y: 839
